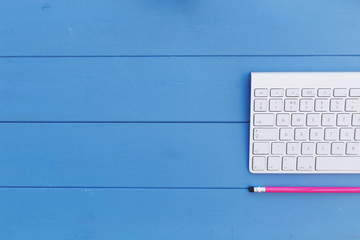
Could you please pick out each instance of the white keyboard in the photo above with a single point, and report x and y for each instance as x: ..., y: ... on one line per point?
x: 305, y: 122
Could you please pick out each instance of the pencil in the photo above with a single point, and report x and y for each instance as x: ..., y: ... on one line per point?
x: 305, y: 189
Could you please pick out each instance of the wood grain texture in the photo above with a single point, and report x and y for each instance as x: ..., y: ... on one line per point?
x: 204, y: 27
x: 141, y: 89
x: 137, y: 155
x: 175, y: 214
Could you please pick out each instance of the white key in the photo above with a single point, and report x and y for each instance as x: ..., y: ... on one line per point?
x: 258, y: 163
x: 346, y: 134
x: 337, y: 105
x: 321, y: 105
x: 288, y: 163
x: 313, y: 119
x: 328, y: 119
x: 260, y: 105
x: 340, y: 92
x: 306, y: 105
x: 278, y: 148
x: 331, y: 134
x: 282, y: 119
x: 305, y: 163
x: 343, y: 119
x: 357, y: 134
x: 322, y: 148
x: 316, y: 134
x: 324, y: 92
x: 291, y: 105
x: 298, y: 119
x: 307, y: 148
x: 338, y: 163
x: 277, y: 92
x: 337, y: 148
x: 301, y: 134
x: 292, y: 92
x: 275, y: 105
x: 354, y: 92
x: 353, y: 148
x: 308, y: 92
x: 265, y: 134
x: 264, y: 119
x: 274, y: 163
x: 286, y: 134
x: 292, y: 148
x: 261, y: 148
x: 261, y: 92
x: 356, y: 119
x: 351, y: 105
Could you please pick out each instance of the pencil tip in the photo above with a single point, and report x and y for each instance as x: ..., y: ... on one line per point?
x: 251, y: 189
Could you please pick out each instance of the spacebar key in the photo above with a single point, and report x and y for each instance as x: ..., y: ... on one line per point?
x: 337, y: 164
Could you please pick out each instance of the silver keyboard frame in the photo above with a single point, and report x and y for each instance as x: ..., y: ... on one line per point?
x: 297, y: 80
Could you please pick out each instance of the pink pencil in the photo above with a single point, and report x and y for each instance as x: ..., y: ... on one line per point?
x: 305, y: 189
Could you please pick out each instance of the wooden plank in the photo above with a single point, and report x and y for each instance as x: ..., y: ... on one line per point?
x: 140, y: 89
x: 136, y: 155
x: 215, y: 27
x: 175, y: 214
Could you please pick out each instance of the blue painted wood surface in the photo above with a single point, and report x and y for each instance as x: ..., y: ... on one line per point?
x: 135, y: 125
x: 179, y: 27
x: 141, y: 89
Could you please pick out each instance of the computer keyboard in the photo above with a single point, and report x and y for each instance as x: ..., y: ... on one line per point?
x: 305, y: 122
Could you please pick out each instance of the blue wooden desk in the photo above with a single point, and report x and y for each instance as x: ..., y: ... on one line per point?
x: 129, y: 119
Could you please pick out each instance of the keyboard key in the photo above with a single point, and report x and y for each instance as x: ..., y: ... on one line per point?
x: 313, y: 119
x: 298, y: 119
x: 328, y: 119
x: 275, y: 105
x: 337, y: 105
x: 356, y: 119
x: 331, y: 134
x: 292, y: 148
x: 316, y: 134
x: 278, y: 148
x: 338, y: 163
x: 292, y: 92
x: 324, y: 92
x: 261, y: 92
x: 323, y: 148
x: 277, y: 92
x: 305, y: 163
x: 346, y: 134
x: 258, y: 163
x: 260, y: 105
x: 352, y: 148
x: 343, y: 119
x: 354, y: 92
x: 283, y: 119
x: 308, y: 92
x: 266, y: 134
x: 301, y: 134
x: 291, y: 105
x: 357, y: 134
x: 308, y: 148
x: 321, y: 105
x: 288, y: 163
x: 351, y: 105
x: 337, y: 148
x: 340, y: 92
x: 306, y: 105
x: 264, y: 119
x: 274, y: 163
x: 261, y: 148
x: 286, y: 134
